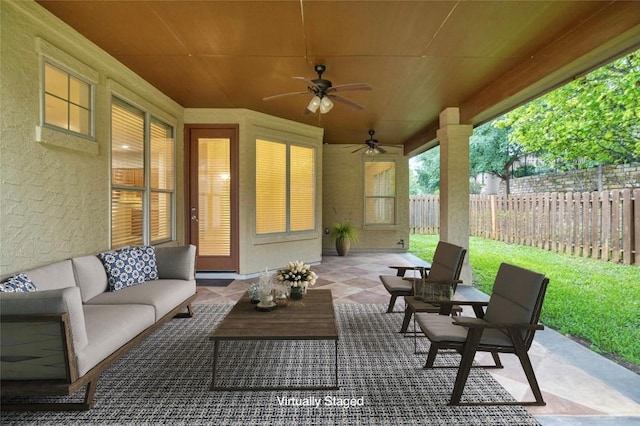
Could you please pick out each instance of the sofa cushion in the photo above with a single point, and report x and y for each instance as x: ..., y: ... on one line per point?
x: 50, y: 302
x: 176, y: 262
x: 19, y: 283
x: 110, y: 327
x: 90, y: 276
x: 149, y: 262
x: 163, y: 295
x: 124, y: 267
x: 53, y: 276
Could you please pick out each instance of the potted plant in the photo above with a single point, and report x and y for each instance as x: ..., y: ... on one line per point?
x: 345, y: 234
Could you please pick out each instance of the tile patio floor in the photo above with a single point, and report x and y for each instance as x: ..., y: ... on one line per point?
x: 579, y: 386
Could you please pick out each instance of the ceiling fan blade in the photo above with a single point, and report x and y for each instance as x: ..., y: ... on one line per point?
x: 359, y: 149
x: 352, y: 86
x: 268, y: 98
x: 306, y: 80
x: 346, y: 102
x: 382, y: 151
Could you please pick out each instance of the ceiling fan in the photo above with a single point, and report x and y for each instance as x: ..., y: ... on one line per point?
x: 371, y: 146
x: 324, y: 92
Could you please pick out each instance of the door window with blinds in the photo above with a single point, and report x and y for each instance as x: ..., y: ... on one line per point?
x: 380, y: 192
x: 142, y: 177
x: 285, y: 187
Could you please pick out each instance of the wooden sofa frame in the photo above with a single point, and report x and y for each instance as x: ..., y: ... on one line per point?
x: 72, y: 383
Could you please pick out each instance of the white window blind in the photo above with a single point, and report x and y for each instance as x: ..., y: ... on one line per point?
x: 380, y: 192
x: 142, y: 177
x: 271, y: 187
x: 285, y: 187
x: 214, y: 197
x: 302, y: 188
x: 162, y: 162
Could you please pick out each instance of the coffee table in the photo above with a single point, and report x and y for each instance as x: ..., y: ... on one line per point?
x: 311, y: 319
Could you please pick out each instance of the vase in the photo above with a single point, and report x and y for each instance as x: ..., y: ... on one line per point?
x: 296, y: 293
x: 342, y: 246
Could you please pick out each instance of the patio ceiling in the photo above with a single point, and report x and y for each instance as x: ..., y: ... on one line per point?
x: 419, y: 56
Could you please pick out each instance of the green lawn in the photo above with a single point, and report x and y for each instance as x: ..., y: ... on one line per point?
x: 593, y: 300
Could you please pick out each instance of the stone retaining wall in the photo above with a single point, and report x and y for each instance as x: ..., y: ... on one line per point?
x: 585, y: 180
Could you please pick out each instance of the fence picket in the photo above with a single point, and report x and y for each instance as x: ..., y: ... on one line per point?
x: 601, y: 225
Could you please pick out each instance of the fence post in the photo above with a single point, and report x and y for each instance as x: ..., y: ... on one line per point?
x: 636, y: 227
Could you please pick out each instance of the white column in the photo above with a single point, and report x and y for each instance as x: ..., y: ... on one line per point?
x: 454, y: 183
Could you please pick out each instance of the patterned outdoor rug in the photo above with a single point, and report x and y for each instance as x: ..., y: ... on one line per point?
x: 166, y: 380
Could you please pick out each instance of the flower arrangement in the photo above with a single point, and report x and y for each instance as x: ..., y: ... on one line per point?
x: 297, y: 274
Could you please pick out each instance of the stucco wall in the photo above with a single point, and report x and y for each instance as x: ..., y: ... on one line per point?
x: 343, y: 200
x: 55, y: 193
x: 258, y: 253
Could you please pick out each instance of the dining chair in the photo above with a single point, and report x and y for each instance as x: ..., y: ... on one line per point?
x: 507, y: 326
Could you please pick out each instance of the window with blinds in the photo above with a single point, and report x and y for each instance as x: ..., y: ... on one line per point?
x: 142, y: 177
x: 380, y: 192
x: 285, y: 187
x: 68, y: 101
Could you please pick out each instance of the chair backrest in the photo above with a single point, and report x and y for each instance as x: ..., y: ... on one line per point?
x: 517, y: 297
x: 447, y: 263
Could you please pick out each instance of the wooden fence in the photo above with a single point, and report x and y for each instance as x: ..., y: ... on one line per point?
x: 601, y: 225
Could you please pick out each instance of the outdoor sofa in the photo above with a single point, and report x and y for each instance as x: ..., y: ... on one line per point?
x: 79, y: 315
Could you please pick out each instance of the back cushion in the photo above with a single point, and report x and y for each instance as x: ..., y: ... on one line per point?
x: 91, y: 276
x: 445, y: 262
x: 53, y: 276
x: 515, y: 293
x: 176, y: 262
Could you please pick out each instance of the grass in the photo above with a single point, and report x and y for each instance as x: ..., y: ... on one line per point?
x: 595, y: 301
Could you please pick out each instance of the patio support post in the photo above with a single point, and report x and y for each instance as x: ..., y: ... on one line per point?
x: 454, y: 183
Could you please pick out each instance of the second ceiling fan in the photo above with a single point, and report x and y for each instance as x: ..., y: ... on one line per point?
x: 324, y: 92
x: 371, y: 145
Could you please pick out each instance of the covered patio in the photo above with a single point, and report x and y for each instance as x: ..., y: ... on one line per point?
x: 579, y: 386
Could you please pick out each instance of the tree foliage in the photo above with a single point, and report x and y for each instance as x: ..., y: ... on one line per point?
x: 425, y: 176
x: 491, y: 152
x: 594, y: 118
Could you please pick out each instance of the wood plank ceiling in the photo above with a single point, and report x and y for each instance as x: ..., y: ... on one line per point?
x: 420, y: 57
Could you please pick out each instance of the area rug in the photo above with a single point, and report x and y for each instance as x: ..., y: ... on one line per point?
x: 166, y: 379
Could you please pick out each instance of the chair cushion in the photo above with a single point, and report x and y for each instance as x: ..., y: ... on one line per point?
x: 514, y: 296
x: 394, y: 283
x: 446, y: 262
x: 441, y: 328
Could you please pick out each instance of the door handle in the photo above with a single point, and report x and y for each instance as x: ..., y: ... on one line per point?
x: 194, y: 216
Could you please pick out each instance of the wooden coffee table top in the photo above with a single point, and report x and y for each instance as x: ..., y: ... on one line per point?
x: 312, y: 318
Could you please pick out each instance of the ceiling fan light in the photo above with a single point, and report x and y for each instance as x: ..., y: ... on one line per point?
x: 372, y: 151
x: 325, y: 105
x: 314, y: 104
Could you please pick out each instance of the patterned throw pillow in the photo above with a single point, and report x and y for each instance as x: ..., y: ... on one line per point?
x: 124, y: 267
x: 20, y: 283
x: 149, y: 264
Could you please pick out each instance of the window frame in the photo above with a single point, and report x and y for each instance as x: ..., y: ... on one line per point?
x: 43, y: 99
x: 366, y: 197
x: 288, y: 234
x: 146, y: 189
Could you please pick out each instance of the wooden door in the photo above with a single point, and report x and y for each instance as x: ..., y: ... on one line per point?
x: 212, y: 205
